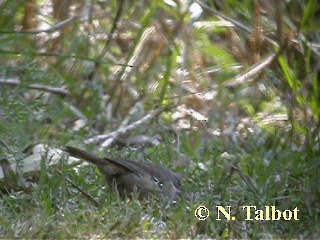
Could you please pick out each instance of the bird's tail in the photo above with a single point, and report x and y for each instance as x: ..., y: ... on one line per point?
x: 78, y: 153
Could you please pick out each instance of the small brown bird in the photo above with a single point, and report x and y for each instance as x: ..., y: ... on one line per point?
x: 128, y: 177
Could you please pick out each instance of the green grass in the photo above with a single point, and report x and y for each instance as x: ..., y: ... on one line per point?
x: 216, y: 174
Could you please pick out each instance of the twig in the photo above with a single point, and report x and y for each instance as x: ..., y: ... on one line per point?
x: 48, y: 30
x: 240, y: 79
x: 134, y: 109
x: 252, y: 71
x: 279, y: 21
x: 87, y: 195
x: 5, y: 145
x: 76, y: 111
x: 57, y: 55
x: 113, y: 28
x: 109, y: 138
x: 245, y: 178
x: 236, y: 23
x: 56, y: 90
x: 109, y: 38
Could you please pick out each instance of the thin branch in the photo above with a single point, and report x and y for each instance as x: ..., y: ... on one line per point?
x: 240, y: 79
x: 109, y: 138
x: 252, y: 71
x: 5, y: 145
x: 50, y: 54
x: 113, y: 28
x: 76, y: 111
x: 134, y: 110
x: 61, y: 91
x: 236, y: 23
x: 109, y: 39
x: 48, y: 30
x: 279, y: 9
x: 87, y: 195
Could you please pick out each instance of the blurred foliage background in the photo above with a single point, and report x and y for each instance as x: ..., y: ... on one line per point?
x: 224, y: 92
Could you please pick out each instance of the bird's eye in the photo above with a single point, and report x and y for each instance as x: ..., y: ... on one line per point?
x: 156, y: 180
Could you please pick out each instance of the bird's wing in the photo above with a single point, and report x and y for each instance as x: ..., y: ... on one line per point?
x: 117, y: 165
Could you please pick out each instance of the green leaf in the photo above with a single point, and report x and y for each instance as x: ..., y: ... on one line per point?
x: 221, y: 56
x: 309, y: 11
x: 288, y: 74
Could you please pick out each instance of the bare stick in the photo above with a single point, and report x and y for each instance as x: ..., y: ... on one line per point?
x: 56, y: 90
x: 109, y: 138
x: 48, y: 30
x: 87, y: 195
x: 253, y: 70
x: 236, y: 23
